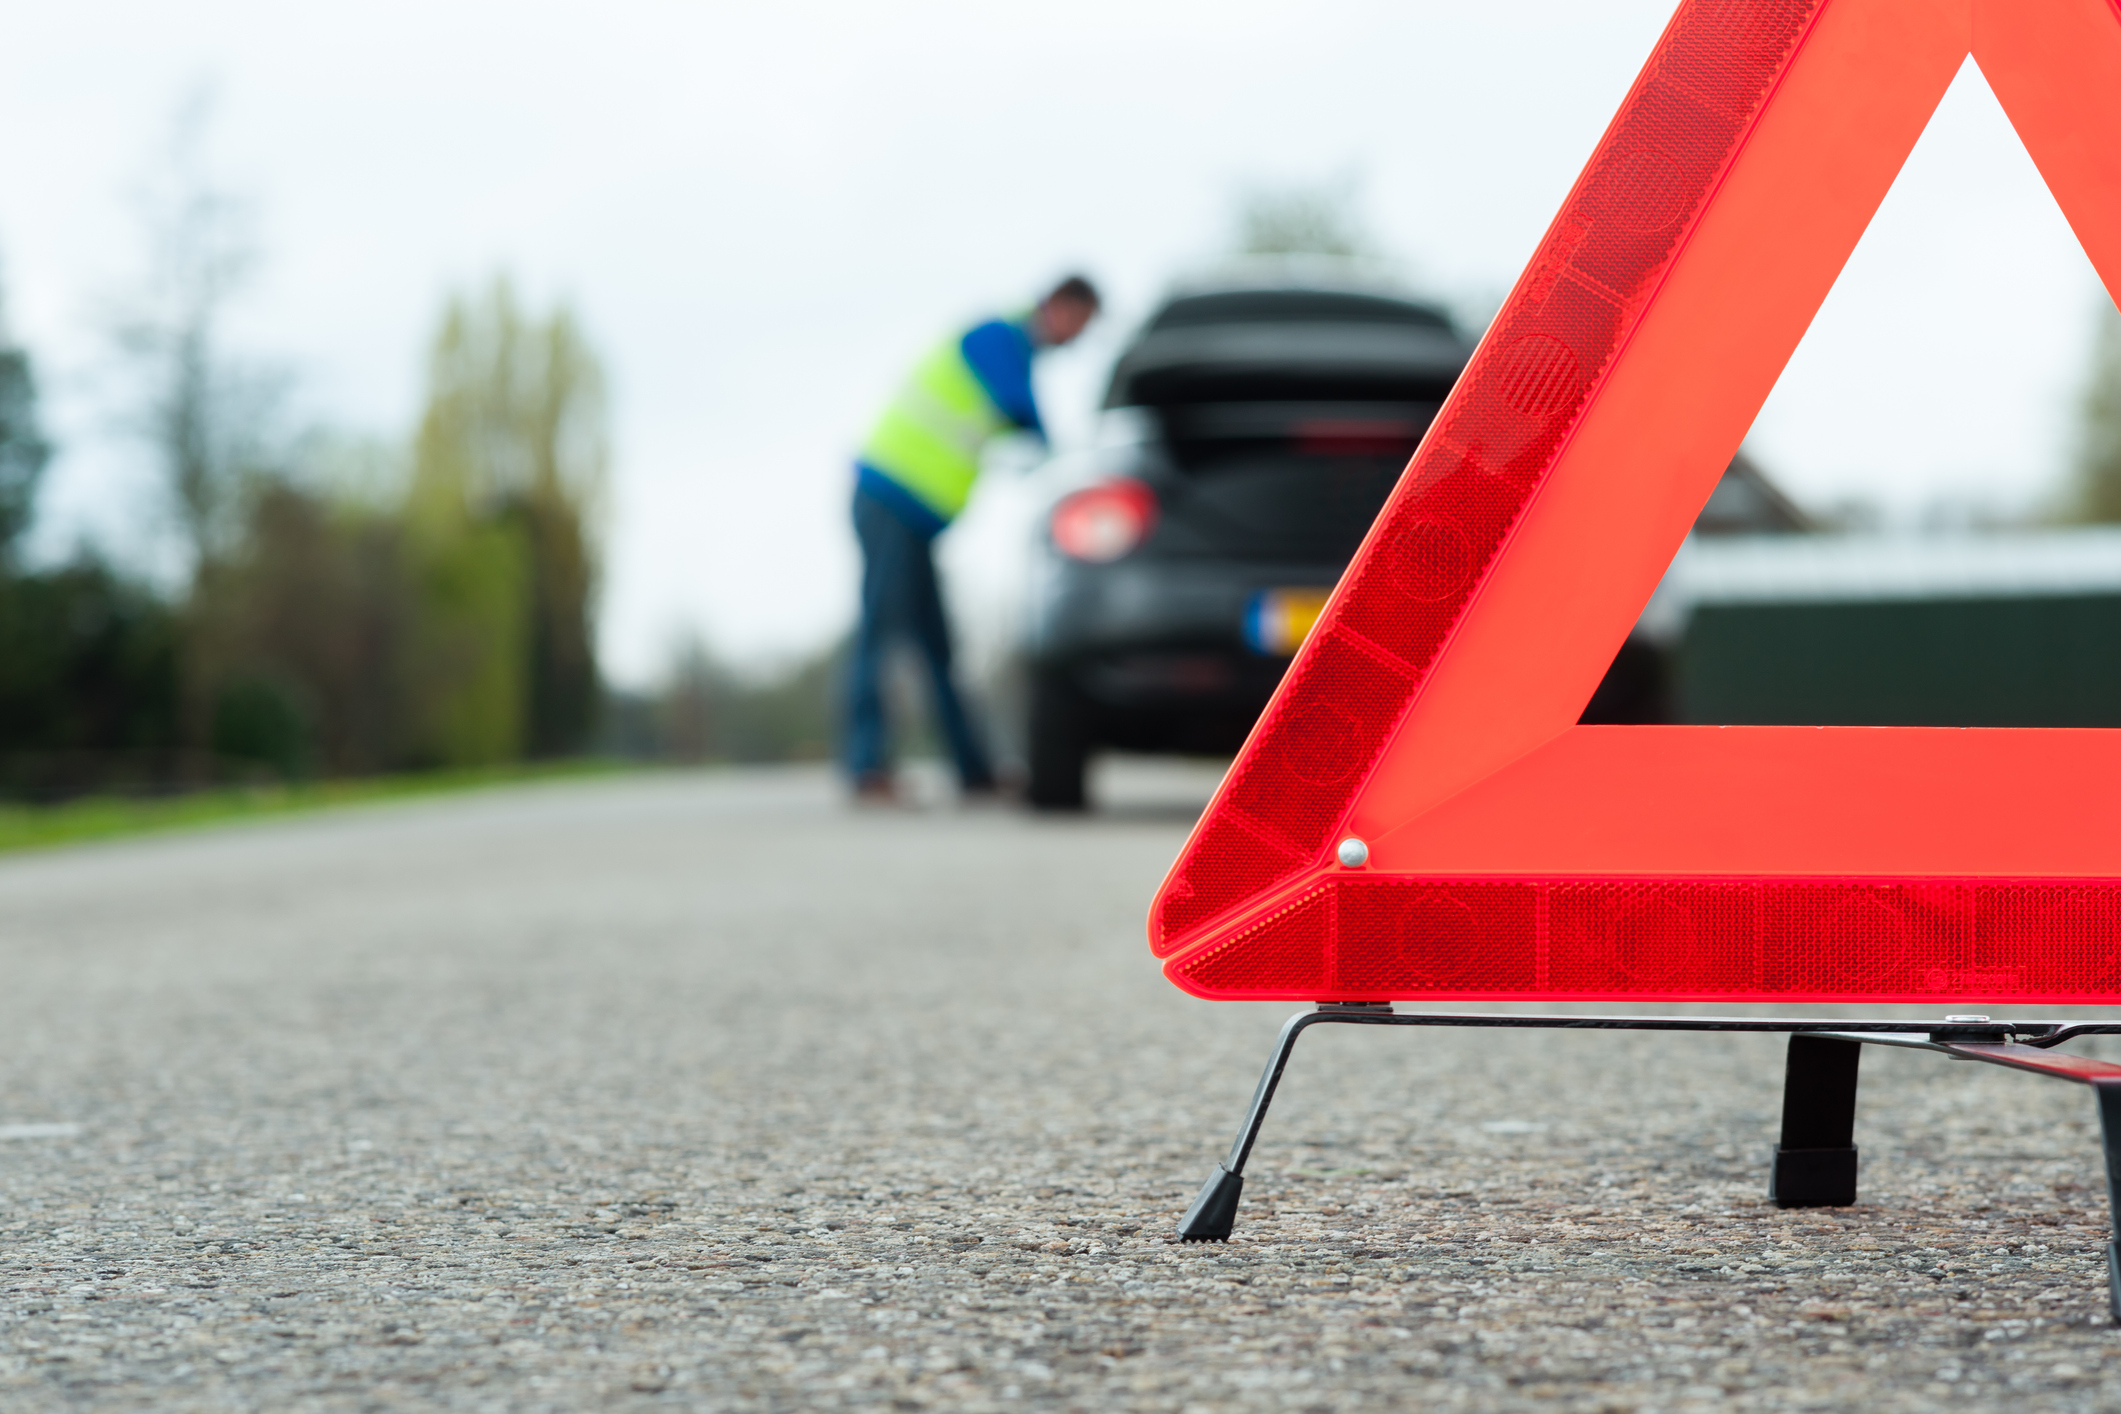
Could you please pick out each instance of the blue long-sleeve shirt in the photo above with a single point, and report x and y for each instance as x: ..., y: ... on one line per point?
x: 999, y: 352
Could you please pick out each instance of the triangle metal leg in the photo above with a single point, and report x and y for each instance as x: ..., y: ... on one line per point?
x: 1214, y: 1212
x: 1815, y: 1163
x: 2109, y: 1093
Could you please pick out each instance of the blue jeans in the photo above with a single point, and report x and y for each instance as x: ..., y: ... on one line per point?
x: 900, y: 598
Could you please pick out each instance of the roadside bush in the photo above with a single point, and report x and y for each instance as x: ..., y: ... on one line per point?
x: 262, y: 720
x: 88, y: 683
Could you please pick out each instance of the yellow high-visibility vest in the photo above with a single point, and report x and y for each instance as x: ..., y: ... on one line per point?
x: 930, y: 436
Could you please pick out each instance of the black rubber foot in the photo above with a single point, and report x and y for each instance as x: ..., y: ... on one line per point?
x: 1214, y: 1212
x: 2113, y: 1278
x: 1813, y: 1178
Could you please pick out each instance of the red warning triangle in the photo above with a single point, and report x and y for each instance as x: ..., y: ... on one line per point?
x: 1512, y: 854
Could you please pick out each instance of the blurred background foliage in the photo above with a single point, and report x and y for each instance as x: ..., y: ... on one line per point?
x: 337, y: 604
x: 706, y: 710
x: 343, y: 605
x: 2097, y: 485
x: 361, y: 621
x: 1304, y: 220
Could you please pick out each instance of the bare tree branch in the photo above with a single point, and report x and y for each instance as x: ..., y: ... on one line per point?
x: 206, y: 415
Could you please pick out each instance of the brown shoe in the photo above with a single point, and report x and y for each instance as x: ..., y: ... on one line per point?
x: 876, y: 788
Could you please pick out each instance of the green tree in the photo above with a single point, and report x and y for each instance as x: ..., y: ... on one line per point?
x: 508, y: 478
x: 302, y: 634
x: 2097, y: 483
x: 23, y: 450
x: 88, y: 682
x: 88, y: 659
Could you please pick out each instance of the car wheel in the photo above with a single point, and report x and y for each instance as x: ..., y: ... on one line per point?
x: 1060, y: 745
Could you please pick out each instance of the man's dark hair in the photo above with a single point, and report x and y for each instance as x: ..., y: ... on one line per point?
x: 1077, y: 288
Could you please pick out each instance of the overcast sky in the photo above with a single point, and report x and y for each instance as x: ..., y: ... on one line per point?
x: 762, y: 212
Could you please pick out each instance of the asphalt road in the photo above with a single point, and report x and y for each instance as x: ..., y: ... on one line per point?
x: 702, y: 1091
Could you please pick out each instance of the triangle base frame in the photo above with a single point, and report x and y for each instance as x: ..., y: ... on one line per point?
x: 1815, y: 1158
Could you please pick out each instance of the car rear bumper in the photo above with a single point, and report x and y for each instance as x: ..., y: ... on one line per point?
x: 1157, y: 650
x: 1154, y: 604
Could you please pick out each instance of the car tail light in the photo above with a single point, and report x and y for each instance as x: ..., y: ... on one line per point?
x: 1103, y: 522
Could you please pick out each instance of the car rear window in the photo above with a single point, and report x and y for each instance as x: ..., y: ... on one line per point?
x: 1294, y: 307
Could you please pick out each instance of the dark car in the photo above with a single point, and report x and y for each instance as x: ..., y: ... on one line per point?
x: 1251, y: 436
x: 1262, y: 430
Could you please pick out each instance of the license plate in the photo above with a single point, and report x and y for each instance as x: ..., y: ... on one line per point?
x: 1276, y: 620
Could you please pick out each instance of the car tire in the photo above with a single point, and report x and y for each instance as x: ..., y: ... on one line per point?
x: 1060, y: 745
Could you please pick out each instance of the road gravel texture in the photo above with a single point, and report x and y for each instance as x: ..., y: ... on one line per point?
x: 702, y: 1091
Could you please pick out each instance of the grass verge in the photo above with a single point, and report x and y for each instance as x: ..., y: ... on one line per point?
x: 106, y: 817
